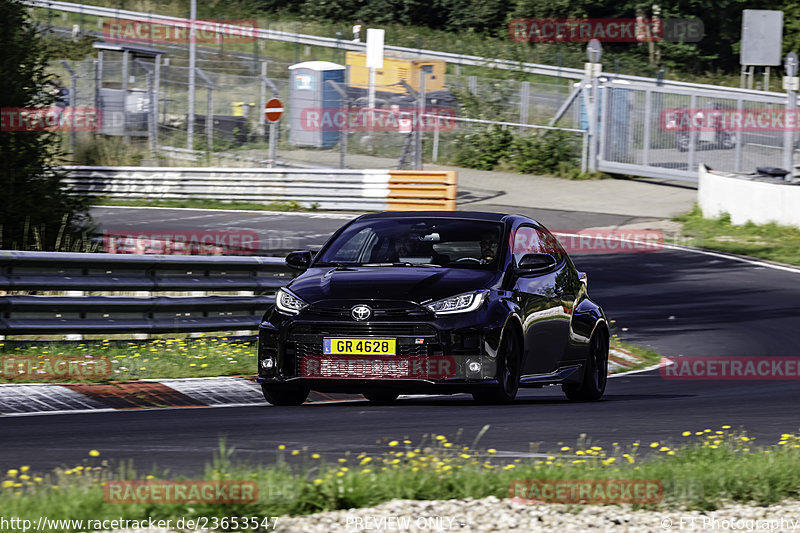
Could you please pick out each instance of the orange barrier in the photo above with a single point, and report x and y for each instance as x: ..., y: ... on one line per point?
x: 413, y: 190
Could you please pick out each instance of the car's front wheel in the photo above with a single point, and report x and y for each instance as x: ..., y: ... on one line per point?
x: 509, y: 360
x: 595, y: 373
x: 284, y: 395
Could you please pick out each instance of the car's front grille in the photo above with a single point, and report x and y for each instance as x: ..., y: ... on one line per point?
x: 306, y: 340
x: 306, y: 349
x: 363, y: 329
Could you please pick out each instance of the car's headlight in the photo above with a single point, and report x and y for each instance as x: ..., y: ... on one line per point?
x: 287, y: 303
x: 461, y: 303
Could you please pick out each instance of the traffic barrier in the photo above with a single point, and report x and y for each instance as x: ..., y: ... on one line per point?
x: 362, y: 190
x: 251, y: 280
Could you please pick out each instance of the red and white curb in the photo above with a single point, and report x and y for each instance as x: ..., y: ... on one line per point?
x: 227, y: 391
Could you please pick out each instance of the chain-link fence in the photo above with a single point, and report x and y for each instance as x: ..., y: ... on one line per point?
x: 467, y: 107
x: 644, y: 130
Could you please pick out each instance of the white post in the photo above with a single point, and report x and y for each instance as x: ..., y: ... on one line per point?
x: 192, y: 65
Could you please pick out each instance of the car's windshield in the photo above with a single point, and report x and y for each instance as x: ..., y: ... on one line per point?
x: 428, y: 242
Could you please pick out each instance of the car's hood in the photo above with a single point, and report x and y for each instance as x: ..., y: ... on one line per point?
x: 415, y: 284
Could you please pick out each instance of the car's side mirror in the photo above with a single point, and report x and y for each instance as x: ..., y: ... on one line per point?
x: 535, y: 264
x: 299, y: 260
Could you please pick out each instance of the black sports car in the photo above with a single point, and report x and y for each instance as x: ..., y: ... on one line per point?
x: 434, y: 302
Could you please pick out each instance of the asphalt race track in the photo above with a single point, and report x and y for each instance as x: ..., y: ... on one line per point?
x: 676, y: 301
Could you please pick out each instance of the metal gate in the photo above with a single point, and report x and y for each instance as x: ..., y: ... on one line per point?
x: 667, y: 132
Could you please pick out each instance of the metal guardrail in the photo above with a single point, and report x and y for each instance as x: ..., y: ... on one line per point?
x: 370, y: 190
x: 77, y: 273
x: 328, y: 42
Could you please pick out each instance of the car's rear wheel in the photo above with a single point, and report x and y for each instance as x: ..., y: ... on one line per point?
x: 509, y: 360
x: 381, y: 397
x: 284, y: 395
x: 595, y: 374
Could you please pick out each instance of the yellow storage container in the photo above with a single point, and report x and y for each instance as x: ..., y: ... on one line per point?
x: 396, y: 68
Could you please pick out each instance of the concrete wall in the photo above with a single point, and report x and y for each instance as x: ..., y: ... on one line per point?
x: 758, y: 200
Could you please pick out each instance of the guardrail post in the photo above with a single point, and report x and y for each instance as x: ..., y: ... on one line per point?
x: 74, y: 336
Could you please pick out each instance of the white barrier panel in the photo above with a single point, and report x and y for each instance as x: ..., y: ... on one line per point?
x: 746, y: 197
x: 362, y: 190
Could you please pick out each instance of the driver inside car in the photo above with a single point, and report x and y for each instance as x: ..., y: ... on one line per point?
x: 488, y: 248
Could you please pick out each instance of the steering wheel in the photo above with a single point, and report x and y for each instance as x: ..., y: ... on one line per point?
x: 470, y: 259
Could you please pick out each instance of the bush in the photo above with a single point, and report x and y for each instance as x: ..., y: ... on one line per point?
x: 482, y: 150
x: 545, y: 153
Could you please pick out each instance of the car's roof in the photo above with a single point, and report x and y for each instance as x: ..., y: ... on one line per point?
x: 466, y: 215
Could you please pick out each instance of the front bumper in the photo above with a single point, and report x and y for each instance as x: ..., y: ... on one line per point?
x: 442, y: 355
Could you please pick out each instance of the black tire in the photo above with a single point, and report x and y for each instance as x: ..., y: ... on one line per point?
x: 381, y: 397
x: 284, y: 395
x: 595, y: 374
x: 509, y: 360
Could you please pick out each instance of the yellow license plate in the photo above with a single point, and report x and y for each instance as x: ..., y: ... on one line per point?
x: 359, y: 346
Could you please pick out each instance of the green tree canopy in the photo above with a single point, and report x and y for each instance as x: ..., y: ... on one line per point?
x: 35, y: 211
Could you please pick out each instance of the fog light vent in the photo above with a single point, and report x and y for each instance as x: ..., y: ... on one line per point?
x: 267, y: 363
x: 474, y: 366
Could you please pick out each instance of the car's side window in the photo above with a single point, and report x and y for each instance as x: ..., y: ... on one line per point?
x: 552, y: 244
x: 525, y: 241
x: 532, y: 240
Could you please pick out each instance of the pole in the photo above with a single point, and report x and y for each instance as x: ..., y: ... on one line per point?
x: 262, y: 126
x: 418, y: 123
x: 155, y: 103
x: 192, y: 65
x: 788, y: 133
x: 126, y: 138
x: 209, y: 117
x: 593, y: 124
x: 73, y: 82
x: 151, y: 115
x: 371, y: 94
x: 273, y: 143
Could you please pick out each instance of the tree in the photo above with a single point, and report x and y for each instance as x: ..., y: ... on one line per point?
x: 35, y: 210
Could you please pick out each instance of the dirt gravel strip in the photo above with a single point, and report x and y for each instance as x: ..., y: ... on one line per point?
x: 500, y: 515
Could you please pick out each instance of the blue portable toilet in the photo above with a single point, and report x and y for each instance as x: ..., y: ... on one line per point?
x: 314, y: 106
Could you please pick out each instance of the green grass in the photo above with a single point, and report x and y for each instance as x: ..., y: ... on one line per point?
x: 158, y: 358
x: 292, y: 205
x: 772, y: 242
x: 649, y: 357
x: 701, y: 469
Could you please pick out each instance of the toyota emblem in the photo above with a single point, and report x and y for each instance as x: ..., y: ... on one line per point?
x: 361, y: 312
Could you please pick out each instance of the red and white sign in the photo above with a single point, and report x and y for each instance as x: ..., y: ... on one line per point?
x: 273, y: 110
